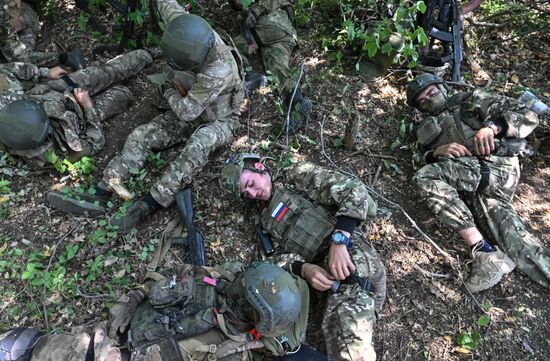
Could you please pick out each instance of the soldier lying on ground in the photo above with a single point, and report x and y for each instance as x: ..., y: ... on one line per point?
x: 472, y: 142
x: 301, y: 227
x: 19, y: 29
x: 212, y: 313
x: 267, y: 27
x: 33, y: 120
x: 209, y: 107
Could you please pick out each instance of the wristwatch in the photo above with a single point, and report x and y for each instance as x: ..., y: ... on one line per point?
x: 340, y: 238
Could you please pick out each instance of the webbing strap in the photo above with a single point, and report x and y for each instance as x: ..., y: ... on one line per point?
x: 223, y: 326
x: 160, y: 252
x: 485, y: 174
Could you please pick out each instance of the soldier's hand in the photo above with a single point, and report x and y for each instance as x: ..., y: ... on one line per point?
x: 317, y: 277
x: 484, y: 141
x: 451, y: 150
x: 122, y: 313
x: 83, y: 98
x: 56, y: 72
x: 339, y: 261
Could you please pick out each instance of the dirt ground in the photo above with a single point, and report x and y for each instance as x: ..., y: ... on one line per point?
x: 427, y: 308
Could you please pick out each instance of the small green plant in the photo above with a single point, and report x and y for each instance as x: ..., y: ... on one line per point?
x: 483, y: 321
x: 406, y: 128
x: 83, y: 167
x: 149, y: 248
x: 469, y: 341
x: 5, y: 193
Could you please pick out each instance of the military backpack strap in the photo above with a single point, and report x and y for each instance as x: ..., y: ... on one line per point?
x: 231, y: 45
x: 162, y: 250
x: 223, y: 327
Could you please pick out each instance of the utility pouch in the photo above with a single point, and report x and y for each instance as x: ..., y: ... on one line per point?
x: 428, y: 131
x: 169, y: 293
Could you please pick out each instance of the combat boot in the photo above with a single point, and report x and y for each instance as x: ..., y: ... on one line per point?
x: 487, y: 269
x: 79, y: 204
x: 134, y: 216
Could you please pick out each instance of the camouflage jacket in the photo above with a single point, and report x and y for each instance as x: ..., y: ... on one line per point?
x: 72, y: 128
x: 218, y: 90
x: 275, y: 16
x: 465, y: 115
x: 330, y: 189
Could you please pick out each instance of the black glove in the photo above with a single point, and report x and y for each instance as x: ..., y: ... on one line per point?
x: 122, y: 313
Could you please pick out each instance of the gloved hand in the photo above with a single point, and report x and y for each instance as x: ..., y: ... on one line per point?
x: 122, y: 313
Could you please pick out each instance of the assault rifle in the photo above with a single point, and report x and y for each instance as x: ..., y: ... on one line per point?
x: 442, y: 22
x: 127, y: 26
x: 194, y: 237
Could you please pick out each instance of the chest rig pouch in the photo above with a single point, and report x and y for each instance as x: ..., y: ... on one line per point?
x: 296, y: 223
x: 176, y: 309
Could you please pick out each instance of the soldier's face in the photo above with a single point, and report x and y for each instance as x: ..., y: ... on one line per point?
x: 431, y: 100
x: 255, y: 185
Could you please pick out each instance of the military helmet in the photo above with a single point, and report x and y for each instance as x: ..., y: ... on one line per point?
x: 420, y: 83
x: 231, y: 172
x: 186, y: 41
x: 275, y: 296
x: 23, y: 124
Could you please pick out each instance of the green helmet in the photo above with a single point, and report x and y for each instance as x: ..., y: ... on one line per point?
x: 274, y: 295
x: 420, y: 83
x: 231, y: 171
x: 186, y: 41
x: 23, y: 124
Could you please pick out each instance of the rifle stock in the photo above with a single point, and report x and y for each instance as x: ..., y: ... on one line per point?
x: 194, y: 237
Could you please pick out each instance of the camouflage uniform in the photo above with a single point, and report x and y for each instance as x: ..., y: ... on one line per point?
x: 351, y: 312
x: 212, y: 104
x: 275, y: 37
x: 72, y: 128
x: 19, y: 46
x: 450, y: 185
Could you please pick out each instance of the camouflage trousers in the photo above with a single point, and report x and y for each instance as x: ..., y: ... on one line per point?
x: 95, y: 79
x: 275, y: 57
x: 491, y: 209
x: 19, y: 46
x: 350, y: 316
x: 162, y: 132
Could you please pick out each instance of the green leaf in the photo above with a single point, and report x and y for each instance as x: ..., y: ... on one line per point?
x: 483, y: 321
x: 421, y: 6
x: 338, y: 142
x: 386, y: 48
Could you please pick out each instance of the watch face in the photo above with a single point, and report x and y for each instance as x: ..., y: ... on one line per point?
x: 338, y: 237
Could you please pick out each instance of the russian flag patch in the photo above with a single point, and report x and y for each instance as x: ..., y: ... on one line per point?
x: 279, y: 211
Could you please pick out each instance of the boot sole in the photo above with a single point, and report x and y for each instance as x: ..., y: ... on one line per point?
x: 66, y: 204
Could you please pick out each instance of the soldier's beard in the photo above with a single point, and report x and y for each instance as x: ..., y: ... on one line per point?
x: 436, y: 104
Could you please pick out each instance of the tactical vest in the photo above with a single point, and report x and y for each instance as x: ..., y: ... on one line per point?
x: 297, y: 224
x: 230, y: 100
x: 176, y: 309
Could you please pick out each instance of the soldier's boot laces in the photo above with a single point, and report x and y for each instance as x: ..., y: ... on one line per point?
x: 487, y: 269
x: 79, y: 204
x: 134, y: 216
x: 75, y: 60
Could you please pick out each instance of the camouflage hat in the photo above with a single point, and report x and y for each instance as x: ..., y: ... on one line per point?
x: 420, y: 83
x: 231, y: 171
